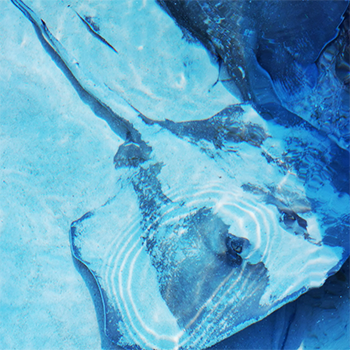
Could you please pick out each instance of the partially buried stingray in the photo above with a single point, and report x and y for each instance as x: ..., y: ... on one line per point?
x: 202, y: 240
x: 214, y: 224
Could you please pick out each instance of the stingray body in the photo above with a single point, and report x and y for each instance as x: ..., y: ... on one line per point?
x: 213, y: 224
x: 194, y: 246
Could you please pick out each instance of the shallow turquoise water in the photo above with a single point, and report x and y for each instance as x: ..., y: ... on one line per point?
x: 57, y: 165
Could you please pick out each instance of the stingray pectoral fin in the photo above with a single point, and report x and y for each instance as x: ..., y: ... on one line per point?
x: 109, y: 243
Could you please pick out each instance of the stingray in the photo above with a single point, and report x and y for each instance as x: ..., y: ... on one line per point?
x: 213, y: 224
x: 271, y: 52
x: 281, y: 38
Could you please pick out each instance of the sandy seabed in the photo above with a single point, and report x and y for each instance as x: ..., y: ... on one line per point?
x: 56, y: 164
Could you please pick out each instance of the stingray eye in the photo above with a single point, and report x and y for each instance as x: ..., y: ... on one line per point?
x: 234, y: 247
x: 293, y: 222
x: 288, y: 218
